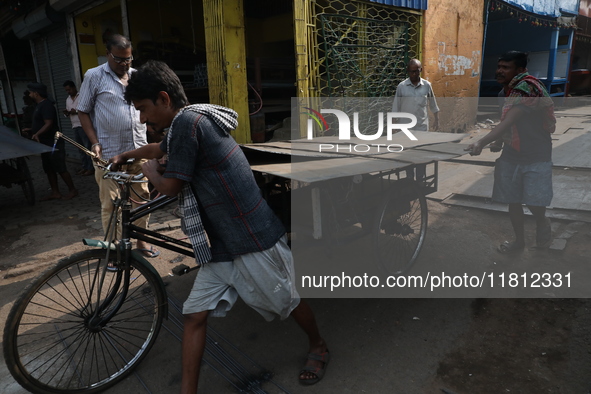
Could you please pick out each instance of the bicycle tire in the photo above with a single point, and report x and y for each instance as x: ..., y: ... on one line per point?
x: 50, y: 343
x: 400, y: 228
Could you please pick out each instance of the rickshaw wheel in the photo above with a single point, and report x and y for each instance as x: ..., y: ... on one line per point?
x: 54, y: 340
x: 399, y: 228
x: 27, y: 183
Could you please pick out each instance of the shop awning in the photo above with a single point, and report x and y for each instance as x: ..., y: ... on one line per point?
x: 551, y: 8
x: 415, y: 4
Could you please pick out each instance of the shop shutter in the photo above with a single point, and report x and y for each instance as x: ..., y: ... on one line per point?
x: 60, y: 60
x: 54, y: 61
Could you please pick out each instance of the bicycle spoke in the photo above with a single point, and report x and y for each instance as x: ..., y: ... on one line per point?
x: 43, y: 340
x: 123, y: 340
x: 401, y: 227
x: 53, y: 309
x: 69, y: 362
x: 80, y: 298
x: 58, y: 341
x: 53, y: 359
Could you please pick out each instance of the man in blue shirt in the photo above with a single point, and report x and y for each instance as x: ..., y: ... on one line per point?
x: 222, y: 205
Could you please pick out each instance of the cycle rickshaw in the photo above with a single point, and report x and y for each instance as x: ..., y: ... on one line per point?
x: 84, y: 324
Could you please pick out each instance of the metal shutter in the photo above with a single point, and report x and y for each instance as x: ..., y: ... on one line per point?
x: 55, y: 65
x: 60, y: 60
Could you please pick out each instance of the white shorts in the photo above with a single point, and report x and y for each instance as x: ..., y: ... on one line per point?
x: 264, y: 280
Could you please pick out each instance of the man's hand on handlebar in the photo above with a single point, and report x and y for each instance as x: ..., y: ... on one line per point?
x: 117, y: 161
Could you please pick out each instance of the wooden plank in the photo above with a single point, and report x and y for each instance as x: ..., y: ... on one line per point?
x: 484, y: 203
x: 569, y: 124
x: 447, y: 147
x: 463, y: 179
x: 572, y: 151
x: 285, y: 148
x: 568, y: 150
x: 423, y: 138
x: 321, y: 147
x: 572, y: 188
x: 322, y: 170
x: 417, y: 156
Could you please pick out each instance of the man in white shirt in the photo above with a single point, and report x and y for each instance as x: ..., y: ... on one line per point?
x: 79, y: 134
x: 414, y: 95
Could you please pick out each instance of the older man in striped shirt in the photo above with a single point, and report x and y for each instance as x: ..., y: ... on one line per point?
x: 112, y: 125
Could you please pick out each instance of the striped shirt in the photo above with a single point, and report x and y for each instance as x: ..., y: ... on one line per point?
x: 117, y: 123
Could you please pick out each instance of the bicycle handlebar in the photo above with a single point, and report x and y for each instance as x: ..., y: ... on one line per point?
x: 123, y: 177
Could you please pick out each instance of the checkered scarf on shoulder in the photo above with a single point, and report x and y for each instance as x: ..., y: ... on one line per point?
x: 527, y: 90
x: 192, y: 224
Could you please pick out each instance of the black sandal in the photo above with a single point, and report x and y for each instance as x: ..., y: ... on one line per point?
x: 319, y: 371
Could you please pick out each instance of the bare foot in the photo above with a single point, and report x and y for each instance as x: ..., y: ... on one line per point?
x: 51, y: 197
x: 70, y: 195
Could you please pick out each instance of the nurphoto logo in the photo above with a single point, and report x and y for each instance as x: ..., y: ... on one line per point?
x: 344, y: 130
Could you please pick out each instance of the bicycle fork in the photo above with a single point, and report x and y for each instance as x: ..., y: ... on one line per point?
x: 120, y: 287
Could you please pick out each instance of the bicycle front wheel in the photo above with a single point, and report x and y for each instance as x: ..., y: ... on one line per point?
x: 56, y: 339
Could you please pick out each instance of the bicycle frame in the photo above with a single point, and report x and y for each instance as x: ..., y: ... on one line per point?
x: 134, y: 232
x: 123, y: 246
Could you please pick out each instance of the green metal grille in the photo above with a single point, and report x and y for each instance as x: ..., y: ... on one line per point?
x: 364, y: 57
x: 362, y: 48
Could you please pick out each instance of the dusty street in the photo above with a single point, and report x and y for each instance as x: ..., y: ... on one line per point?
x: 460, y: 346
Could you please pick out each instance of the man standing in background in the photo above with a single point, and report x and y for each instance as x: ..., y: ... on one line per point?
x: 79, y: 134
x: 43, y: 129
x: 414, y: 95
x: 113, y: 126
x: 523, y: 172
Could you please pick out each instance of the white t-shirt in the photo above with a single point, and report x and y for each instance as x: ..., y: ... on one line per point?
x: 72, y: 103
x: 415, y: 99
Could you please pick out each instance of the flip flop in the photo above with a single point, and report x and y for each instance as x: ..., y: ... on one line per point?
x: 149, y: 253
x: 510, y: 247
x: 317, y: 371
x: 544, y: 235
